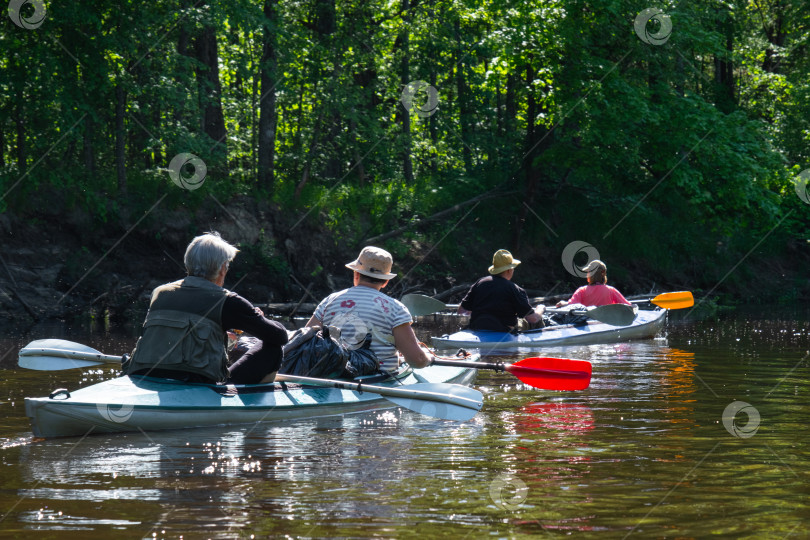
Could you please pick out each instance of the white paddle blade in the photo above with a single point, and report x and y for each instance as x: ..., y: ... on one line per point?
x: 59, y: 354
x: 459, y: 403
x: 62, y: 344
x: 54, y: 363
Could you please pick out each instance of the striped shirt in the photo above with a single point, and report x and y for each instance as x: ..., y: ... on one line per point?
x: 361, y: 310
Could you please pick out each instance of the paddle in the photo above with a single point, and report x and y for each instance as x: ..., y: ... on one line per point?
x: 419, y: 304
x: 440, y: 400
x: 546, y: 373
x: 613, y: 314
x: 672, y: 300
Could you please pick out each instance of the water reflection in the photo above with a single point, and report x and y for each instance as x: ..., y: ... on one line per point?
x: 643, y: 451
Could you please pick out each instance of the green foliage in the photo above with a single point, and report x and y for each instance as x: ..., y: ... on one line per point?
x: 556, y: 106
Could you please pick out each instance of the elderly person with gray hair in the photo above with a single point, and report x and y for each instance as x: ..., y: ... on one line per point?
x: 184, y: 334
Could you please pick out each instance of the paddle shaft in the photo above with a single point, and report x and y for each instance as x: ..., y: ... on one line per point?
x: 396, y: 392
x: 616, y: 314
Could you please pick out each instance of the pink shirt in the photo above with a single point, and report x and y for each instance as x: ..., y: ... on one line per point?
x: 597, y: 295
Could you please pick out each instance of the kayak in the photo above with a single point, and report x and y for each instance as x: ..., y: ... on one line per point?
x: 136, y: 403
x: 646, y: 324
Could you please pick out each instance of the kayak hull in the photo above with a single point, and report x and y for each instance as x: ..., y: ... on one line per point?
x: 646, y: 325
x: 134, y: 403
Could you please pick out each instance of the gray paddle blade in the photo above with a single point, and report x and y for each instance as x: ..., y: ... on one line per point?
x: 613, y: 314
x: 419, y: 304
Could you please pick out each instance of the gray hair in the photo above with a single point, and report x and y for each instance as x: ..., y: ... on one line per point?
x: 206, y: 254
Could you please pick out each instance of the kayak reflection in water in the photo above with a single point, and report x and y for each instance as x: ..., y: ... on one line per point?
x: 495, y: 303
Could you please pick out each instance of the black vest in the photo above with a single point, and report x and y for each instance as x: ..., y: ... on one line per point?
x: 183, y: 331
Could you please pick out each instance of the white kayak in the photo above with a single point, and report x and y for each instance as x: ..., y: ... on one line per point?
x: 135, y: 403
x: 646, y: 324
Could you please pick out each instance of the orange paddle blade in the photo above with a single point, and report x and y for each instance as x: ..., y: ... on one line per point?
x: 553, y: 373
x: 674, y: 300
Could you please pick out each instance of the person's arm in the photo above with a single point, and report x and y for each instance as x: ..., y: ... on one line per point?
x: 405, y: 341
x: 522, y: 305
x: 314, y: 321
x: 465, y: 304
x: 576, y: 298
x: 240, y: 314
x: 536, y: 315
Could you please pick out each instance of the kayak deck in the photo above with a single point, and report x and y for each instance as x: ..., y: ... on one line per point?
x: 646, y: 325
x: 134, y: 403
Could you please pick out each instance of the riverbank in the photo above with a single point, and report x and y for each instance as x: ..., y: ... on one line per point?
x: 58, y: 264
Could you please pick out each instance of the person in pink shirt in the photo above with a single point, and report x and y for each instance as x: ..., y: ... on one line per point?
x: 597, y: 292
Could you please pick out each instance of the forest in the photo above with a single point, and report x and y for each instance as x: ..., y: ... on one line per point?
x: 671, y: 139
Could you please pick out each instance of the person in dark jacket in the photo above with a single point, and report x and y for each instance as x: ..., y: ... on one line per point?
x: 185, y: 331
x: 494, y: 302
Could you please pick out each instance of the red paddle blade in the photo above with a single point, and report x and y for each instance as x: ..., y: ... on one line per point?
x: 553, y: 373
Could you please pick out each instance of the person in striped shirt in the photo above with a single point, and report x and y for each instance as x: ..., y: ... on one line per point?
x: 364, y: 310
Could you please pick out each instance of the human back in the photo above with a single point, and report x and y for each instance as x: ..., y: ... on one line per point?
x: 597, y: 292
x: 362, y: 310
x: 494, y: 302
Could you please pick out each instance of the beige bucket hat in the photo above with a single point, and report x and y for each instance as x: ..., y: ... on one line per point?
x: 373, y: 262
x: 502, y: 261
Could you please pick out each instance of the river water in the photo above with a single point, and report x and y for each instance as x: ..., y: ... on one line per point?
x: 697, y: 433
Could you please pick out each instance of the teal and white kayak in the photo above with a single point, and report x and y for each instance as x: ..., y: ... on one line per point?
x: 646, y: 324
x: 136, y: 403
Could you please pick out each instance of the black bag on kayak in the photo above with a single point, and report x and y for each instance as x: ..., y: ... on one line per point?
x: 312, y: 352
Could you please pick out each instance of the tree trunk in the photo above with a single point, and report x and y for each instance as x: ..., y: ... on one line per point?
x: 120, y: 136
x: 157, y: 153
x: 210, y: 88
x: 775, y: 32
x: 316, y: 136
x: 19, y: 123
x: 267, y: 103
x: 464, y: 111
x: 724, y: 68
x: 538, y: 140
x: 510, y: 105
x: 88, y: 150
x: 325, y: 17
x: 404, y: 78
